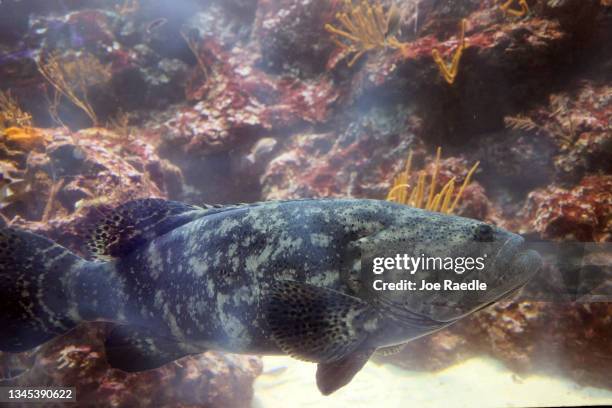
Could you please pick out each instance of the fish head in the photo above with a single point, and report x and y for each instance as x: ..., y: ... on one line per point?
x: 437, y: 248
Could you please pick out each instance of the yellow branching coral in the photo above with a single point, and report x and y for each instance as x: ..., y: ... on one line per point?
x: 72, y: 77
x: 11, y: 114
x: 513, y: 12
x: 449, y: 72
x: 423, y: 194
x: 365, y: 27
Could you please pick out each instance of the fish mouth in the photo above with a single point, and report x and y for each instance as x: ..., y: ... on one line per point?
x: 509, y: 250
x: 526, y: 264
x: 515, y: 266
x: 522, y: 263
x: 515, y: 259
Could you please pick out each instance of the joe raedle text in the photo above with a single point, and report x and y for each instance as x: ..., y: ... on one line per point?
x: 447, y: 284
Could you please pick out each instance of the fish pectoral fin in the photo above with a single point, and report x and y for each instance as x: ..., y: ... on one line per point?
x: 316, y: 324
x: 120, y: 231
x: 335, y: 375
x: 135, y: 349
x: 391, y: 350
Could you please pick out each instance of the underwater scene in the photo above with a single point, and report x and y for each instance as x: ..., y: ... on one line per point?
x: 296, y: 203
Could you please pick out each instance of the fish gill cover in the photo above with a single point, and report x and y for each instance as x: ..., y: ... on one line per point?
x: 227, y: 101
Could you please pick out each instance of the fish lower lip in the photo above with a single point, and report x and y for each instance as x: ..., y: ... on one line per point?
x: 527, y: 263
x: 508, y: 251
x: 518, y: 286
x: 513, y: 244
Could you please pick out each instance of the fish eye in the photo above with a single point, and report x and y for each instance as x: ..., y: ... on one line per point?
x: 483, y: 233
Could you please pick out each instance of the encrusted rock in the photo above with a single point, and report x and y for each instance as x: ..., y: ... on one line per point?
x: 78, y: 172
x: 359, y: 161
x: 583, y: 213
x: 291, y: 36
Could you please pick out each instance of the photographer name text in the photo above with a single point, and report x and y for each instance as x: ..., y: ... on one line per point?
x: 447, y: 284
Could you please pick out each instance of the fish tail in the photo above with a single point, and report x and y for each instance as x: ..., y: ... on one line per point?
x: 34, y: 303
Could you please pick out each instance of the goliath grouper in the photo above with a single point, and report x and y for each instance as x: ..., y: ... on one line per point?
x: 285, y: 277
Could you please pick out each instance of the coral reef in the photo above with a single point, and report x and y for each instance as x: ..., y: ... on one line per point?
x: 244, y: 100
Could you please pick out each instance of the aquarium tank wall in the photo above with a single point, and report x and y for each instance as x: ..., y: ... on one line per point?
x: 272, y: 203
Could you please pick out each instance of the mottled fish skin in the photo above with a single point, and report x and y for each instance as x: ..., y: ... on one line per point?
x: 204, y: 282
x: 263, y: 278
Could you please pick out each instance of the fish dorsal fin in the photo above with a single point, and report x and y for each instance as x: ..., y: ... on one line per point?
x: 316, y: 324
x: 134, y: 349
x: 136, y: 222
x: 216, y: 208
